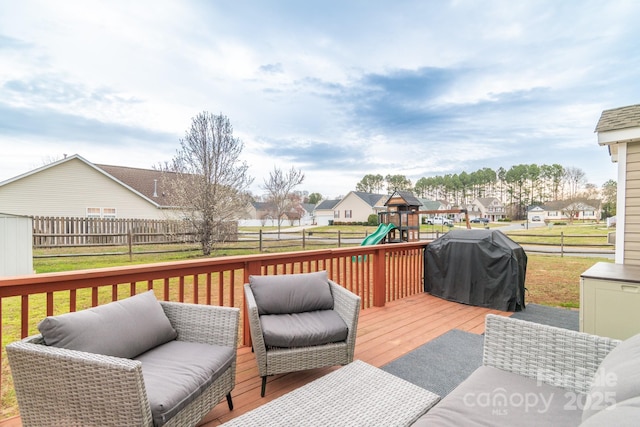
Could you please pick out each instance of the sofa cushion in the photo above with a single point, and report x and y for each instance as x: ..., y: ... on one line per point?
x: 303, y: 329
x: 493, y: 397
x: 122, y: 328
x: 177, y: 372
x: 292, y: 293
x: 622, y: 414
x: 617, y: 378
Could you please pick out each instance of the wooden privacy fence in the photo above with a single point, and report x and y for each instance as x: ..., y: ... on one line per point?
x: 67, y: 231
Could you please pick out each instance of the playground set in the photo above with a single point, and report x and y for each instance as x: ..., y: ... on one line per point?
x: 401, y: 221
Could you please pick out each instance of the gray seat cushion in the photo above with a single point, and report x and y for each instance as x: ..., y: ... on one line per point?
x: 177, y: 372
x: 291, y: 293
x: 492, y: 397
x: 617, y: 378
x: 122, y: 328
x: 303, y: 329
x: 622, y: 414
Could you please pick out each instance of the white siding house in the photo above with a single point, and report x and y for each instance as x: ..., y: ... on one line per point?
x: 357, y: 206
x: 74, y: 187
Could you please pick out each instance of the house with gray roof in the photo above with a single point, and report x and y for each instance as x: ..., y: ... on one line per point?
x: 356, y: 206
x: 75, y: 187
x: 325, y: 211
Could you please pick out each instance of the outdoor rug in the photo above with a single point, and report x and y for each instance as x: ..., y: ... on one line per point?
x: 443, y: 363
x: 560, y: 317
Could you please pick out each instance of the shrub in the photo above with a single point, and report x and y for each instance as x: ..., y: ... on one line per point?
x: 372, y: 220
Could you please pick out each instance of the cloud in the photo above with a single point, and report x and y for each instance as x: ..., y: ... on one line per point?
x: 51, y: 125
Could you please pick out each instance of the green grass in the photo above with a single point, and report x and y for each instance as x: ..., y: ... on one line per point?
x: 574, y: 235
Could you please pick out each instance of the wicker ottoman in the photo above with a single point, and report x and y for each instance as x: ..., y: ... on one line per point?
x: 355, y: 395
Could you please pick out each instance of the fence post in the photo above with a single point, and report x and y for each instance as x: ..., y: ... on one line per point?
x: 561, y: 244
x: 303, y: 241
x: 260, y: 240
x: 339, y: 240
x: 130, y: 243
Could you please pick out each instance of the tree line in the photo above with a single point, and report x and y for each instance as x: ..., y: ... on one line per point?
x: 519, y: 186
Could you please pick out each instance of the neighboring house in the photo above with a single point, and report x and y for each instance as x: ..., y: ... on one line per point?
x: 487, y: 207
x: 308, y: 214
x: 356, y: 206
x: 619, y: 130
x: 325, y: 211
x: 435, y: 205
x: 562, y: 210
x: 260, y: 214
x: 75, y: 187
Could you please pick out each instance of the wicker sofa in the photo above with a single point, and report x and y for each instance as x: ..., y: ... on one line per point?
x: 137, y: 361
x: 534, y: 374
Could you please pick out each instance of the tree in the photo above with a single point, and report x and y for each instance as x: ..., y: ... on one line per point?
x: 206, y: 179
x: 516, y: 177
x: 575, y: 179
x: 315, y: 198
x: 279, y: 188
x: 609, y: 198
x: 370, y: 183
x: 397, y: 183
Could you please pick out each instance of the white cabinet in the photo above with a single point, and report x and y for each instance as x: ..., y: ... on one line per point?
x: 610, y: 300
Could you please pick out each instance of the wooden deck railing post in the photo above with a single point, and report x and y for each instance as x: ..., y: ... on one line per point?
x: 250, y: 268
x: 379, y: 277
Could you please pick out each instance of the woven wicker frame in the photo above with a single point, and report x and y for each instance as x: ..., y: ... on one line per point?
x: 58, y: 387
x: 281, y: 360
x: 555, y: 356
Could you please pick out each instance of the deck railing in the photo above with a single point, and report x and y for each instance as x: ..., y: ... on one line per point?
x: 378, y: 274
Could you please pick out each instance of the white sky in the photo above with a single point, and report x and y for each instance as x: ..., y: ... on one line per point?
x: 338, y: 89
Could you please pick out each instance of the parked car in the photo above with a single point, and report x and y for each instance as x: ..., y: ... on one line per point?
x: 480, y: 221
x: 439, y: 220
x: 536, y: 218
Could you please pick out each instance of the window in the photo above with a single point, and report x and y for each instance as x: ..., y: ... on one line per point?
x: 109, y: 212
x: 94, y: 213
x: 347, y: 213
x: 336, y: 214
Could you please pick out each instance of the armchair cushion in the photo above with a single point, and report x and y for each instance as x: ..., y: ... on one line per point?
x: 177, y: 372
x: 124, y: 328
x: 303, y: 329
x: 292, y: 293
x: 617, y: 378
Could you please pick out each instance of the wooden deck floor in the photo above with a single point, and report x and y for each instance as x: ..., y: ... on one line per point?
x: 384, y: 334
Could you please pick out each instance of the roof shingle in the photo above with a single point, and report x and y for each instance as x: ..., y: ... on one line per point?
x: 619, y: 118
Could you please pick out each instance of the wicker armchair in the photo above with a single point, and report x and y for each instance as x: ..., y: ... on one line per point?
x: 61, y: 387
x: 277, y: 360
x: 554, y: 356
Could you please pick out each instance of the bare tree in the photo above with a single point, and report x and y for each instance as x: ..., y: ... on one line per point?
x: 209, y: 183
x: 279, y: 187
x: 575, y: 179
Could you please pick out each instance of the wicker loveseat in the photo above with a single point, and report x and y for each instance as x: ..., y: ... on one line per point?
x: 534, y: 375
x: 300, y: 321
x: 137, y: 362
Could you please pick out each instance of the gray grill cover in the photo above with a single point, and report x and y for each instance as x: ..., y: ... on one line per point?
x: 484, y: 268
